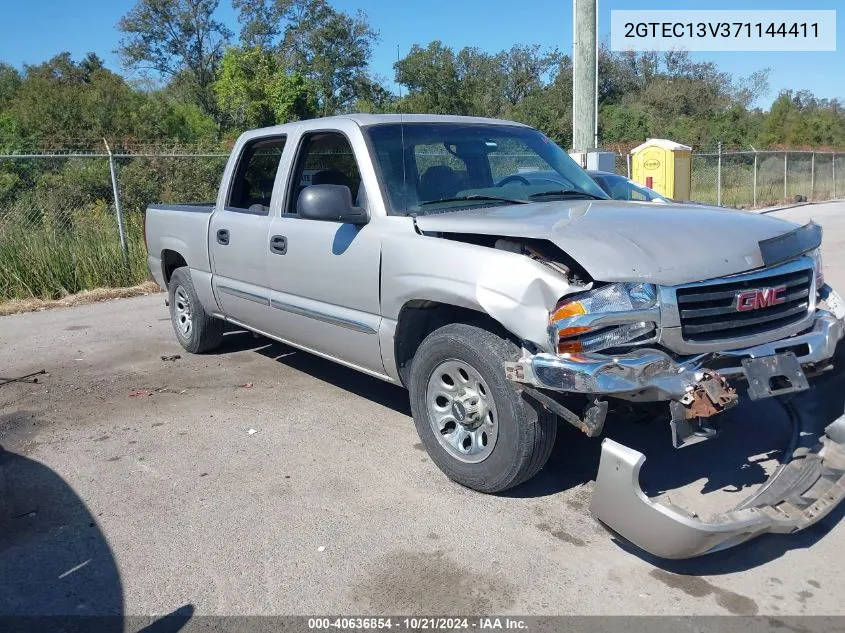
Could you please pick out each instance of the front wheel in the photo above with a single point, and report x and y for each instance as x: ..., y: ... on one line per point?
x: 195, y: 329
x: 474, y: 424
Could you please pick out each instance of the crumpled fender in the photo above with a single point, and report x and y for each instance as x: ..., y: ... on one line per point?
x: 516, y: 291
x: 523, y: 308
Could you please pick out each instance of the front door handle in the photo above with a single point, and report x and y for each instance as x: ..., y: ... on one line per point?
x: 223, y: 237
x: 279, y: 244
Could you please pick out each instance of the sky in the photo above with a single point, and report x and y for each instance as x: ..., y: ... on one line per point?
x: 32, y: 31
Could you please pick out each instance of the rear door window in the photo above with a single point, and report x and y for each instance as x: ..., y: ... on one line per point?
x: 252, y: 185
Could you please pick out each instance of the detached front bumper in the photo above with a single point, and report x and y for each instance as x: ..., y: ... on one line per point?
x: 797, y: 495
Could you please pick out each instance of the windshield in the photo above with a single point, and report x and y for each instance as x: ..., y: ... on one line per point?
x: 437, y: 167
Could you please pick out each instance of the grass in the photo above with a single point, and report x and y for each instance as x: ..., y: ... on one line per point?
x: 52, y: 257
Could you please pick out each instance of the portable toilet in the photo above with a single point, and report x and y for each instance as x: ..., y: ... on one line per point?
x: 664, y: 166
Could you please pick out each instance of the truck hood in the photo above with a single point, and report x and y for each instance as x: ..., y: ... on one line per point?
x: 666, y: 244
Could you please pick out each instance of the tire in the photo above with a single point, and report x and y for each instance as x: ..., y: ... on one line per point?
x: 195, y: 330
x: 522, y: 434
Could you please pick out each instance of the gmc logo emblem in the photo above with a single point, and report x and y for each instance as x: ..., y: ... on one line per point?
x: 761, y: 298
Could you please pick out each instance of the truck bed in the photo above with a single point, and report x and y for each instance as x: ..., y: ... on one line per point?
x: 194, y: 207
x: 178, y: 228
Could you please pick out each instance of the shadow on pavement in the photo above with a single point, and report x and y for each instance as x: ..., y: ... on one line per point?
x: 57, y: 571
x: 378, y: 391
x: 752, y: 433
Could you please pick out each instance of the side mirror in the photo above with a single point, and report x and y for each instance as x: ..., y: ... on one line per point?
x: 331, y: 203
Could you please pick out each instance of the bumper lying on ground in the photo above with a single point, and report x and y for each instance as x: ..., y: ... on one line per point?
x: 797, y: 495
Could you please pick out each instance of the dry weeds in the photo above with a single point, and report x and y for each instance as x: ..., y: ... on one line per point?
x: 16, y: 306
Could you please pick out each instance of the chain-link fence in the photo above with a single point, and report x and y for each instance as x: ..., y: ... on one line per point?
x: 59, y: 229
x: 623, y: 164
x: 754, y: 179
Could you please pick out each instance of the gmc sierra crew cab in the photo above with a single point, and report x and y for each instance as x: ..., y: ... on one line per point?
x: 413, y: 248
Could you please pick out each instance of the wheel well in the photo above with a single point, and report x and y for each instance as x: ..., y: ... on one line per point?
x: 170, y: 261
x: 419, y: 318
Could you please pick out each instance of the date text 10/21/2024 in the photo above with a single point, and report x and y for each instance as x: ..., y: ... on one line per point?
x: 418, y: 623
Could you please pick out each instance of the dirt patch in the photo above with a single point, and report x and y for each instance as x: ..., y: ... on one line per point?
x: 16, y: 306
x: 18, y: 428
x: 563, y: 535
x: 803, y: 595
x: 430, y: 584
x: 698, y: 588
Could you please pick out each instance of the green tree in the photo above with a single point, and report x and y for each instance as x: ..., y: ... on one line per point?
x: 176, y: 37
x: 10, y: 81
x: 260, y: 22
x: 525, y: 69
x: 254, y: 90
x: 332, y: 49
x: 552, y: 107
x: 433, y: 81
x: 64, y: 99
x: 472, y: 81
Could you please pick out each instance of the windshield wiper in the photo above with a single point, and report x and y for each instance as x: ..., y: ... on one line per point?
x: 565, y: 192
x: 475, y: 196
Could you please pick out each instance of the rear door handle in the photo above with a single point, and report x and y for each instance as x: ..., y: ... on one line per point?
x: 223, y: 237
x: 279, y: 244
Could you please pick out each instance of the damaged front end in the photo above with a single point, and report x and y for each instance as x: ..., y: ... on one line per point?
x: 631, y: 352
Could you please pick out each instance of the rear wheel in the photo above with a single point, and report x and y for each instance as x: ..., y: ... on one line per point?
x: 476, y: 427
x: 195, y: 329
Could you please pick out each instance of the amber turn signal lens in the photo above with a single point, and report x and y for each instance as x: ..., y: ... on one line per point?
x: 573, y: 308
x: 565, y: 311
x: 569, y: 347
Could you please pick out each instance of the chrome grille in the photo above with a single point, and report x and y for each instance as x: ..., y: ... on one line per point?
x: 709, y: 312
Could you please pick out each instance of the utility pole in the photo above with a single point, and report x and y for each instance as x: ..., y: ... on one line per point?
x: 584, y: 74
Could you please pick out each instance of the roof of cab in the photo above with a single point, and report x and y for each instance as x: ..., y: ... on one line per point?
x: 365, y: 120
x: 376, y: 119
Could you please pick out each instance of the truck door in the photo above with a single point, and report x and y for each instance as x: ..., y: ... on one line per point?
x: 324, y: 275
x: 238, y: 234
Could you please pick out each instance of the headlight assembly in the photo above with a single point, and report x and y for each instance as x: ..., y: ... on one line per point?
x: 605, y: 317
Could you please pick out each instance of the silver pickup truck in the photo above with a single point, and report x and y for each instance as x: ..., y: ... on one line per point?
x: 418, y: 250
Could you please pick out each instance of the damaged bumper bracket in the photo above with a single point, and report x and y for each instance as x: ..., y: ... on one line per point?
x: 799, y: 494
x: 654, y: 372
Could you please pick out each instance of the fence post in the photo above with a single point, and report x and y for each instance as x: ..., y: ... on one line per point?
x: 719, y: 177
x: 754, y: 187
x: 117, y: 210
x: 812, y: 175
x: 834, y: 175
x: 785, y: 161
x: 628, y: 163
